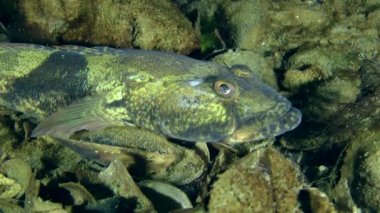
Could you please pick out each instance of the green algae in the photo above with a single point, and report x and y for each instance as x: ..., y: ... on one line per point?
x: 121, y: 24
x: 274, y: 184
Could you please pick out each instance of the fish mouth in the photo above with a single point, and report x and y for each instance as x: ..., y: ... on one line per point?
x: 253, y: 130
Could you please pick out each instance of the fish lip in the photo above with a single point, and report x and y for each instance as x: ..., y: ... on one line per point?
x: 284, y: 122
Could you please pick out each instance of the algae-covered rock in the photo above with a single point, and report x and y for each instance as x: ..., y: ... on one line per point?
x: 282, y: 26
x: 79, y: 193
x: 48, y: 154
x: 366, y: 183
x: 329, y: 78
x: 146, y: 154
x: 10, y: 207
x: 9, y: 188
x: 249, y: 20
x: 264, y: 180
x: 349, y: 111
x: 265, y: 26
x: 353, y: 136
x: 141, y: 24
x: 18, y: 170
x: 316, y: 64
x: 6, y: 135
x: 164, y: 196
x: 356, y: 182
x: 119, y: 180
x: 39, y: 205
x: 318, y: 201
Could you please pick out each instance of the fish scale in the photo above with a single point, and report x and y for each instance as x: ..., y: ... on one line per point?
x: 65, y: 89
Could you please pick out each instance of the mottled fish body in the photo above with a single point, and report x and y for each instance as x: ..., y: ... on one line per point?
x: 69, y: 88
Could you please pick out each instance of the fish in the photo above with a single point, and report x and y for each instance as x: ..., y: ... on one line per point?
x: 66, y: 89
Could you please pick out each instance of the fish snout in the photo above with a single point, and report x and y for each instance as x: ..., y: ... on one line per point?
x: 271, y: 118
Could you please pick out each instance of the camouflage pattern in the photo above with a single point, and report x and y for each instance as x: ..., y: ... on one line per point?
x: 69, y: 88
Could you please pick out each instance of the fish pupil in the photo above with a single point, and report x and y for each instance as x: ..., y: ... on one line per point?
x: 225, y: 89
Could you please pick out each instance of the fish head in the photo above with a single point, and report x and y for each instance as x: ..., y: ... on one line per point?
x: 228, y: 104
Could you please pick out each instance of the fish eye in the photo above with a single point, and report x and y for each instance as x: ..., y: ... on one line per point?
x: 224, y: 88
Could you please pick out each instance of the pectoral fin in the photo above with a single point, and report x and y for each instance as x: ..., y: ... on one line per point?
x: 89, y: 114
x: 100, y: 153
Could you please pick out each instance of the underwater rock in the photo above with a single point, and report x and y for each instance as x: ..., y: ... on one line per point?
x: 47, y: 153
x: 9, y: 188
x: 316, y: 64
x: 370, y: 77
x: 141, y: 24
x: 348, y: 150
x: 146, y: 154
x: 264, y: 26
x: 39, y: 205
x: 353, y: 136
x: 164, y: 196
x: 283, y: 27
x: 119, y: 180
x: 79, y: 193
x: 19, y: 171
x: 10, y: 207
x: 331, y: 77
x: 317, y: 201
x: 224, y: 158
x: 6, y: 135
x: 366, y: 183
x: 356, y: 182
x: 249, y: 21
x: 340, y: 122
x: 264, y: 180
